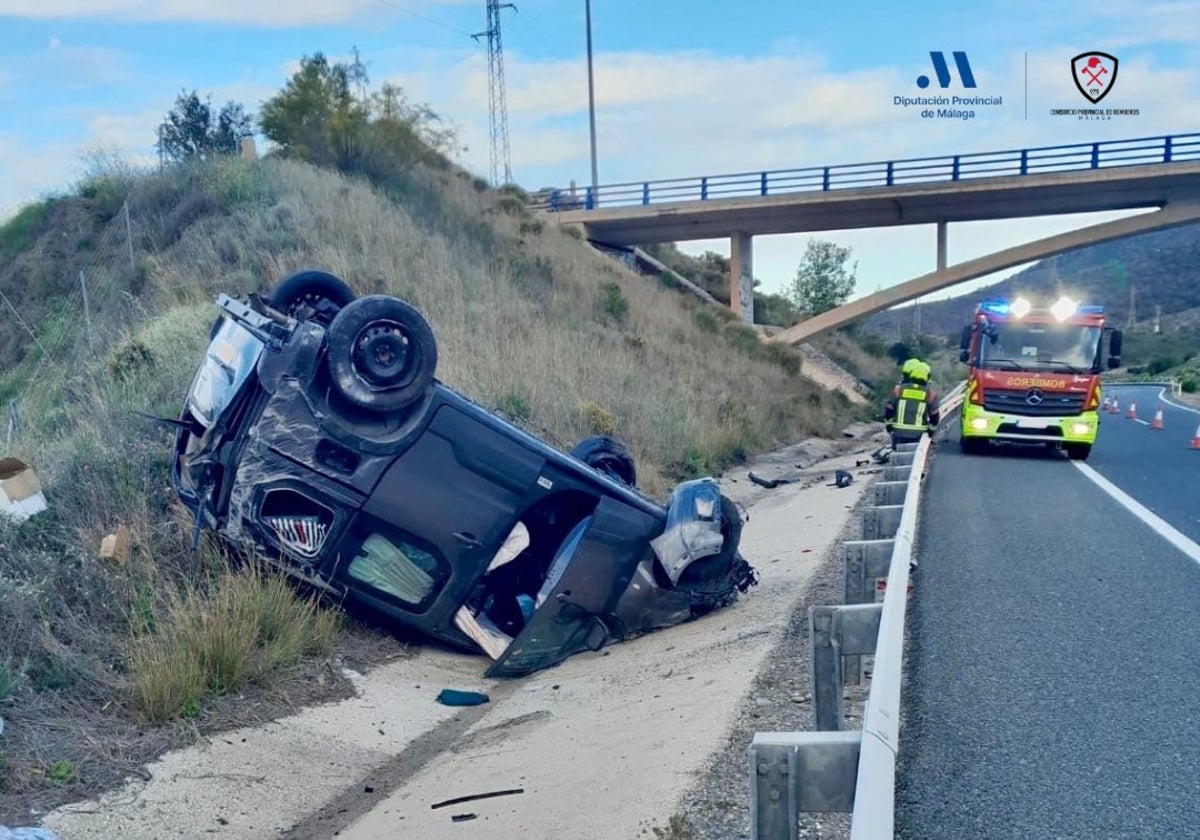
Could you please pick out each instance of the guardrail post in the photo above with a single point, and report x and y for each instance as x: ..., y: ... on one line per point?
x: 890, y: 171
x: 891, y: 492
x: 763, y: 184
x: 901, y: 459
x: 837, y: 632
x: 881, y: 522
x: 1167, y: 149
x: 825, y: 180
x: 865, y: 560
x: 1024, y: 161
x: 954, y: 169
x: 645, y: 192
x: 1095, y: 156
x: 791, y: 772
x: 704, y: 189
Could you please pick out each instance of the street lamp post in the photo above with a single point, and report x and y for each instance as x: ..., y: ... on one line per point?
x: 591, y: 98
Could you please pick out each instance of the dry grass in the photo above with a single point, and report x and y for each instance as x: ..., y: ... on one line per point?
x: 534, y: 317
x: 243, y: 629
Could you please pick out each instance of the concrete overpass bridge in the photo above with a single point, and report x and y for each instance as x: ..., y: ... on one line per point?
x: 1148, y: 173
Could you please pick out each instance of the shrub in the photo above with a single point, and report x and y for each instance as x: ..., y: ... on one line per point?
x: 1160, y: 364
x: 788, y: 358
x: 614, y: 302
x: 128, y: 359
x: 60, y: 771
x: 745, y: 338
x: 706, y: 320
x: 516, y: 406
x: 1188, y: 386
x: 597, y: 419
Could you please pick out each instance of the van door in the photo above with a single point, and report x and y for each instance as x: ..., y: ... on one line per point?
x: 574, y: 610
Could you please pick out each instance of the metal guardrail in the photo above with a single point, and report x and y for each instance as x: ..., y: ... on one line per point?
x: 851, y: 771
x: 1104, y: 154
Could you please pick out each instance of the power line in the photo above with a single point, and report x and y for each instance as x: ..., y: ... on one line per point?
x: 528, y: 22
x: 425, y: 18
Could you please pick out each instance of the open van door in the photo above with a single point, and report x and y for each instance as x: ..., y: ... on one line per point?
x: 589, y: 573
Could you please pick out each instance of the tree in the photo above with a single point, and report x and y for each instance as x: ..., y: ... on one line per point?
x: 190, y: 131
x: 822, y: 280
x: 316, y: 116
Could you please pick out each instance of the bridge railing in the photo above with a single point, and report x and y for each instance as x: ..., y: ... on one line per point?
x: 1074, y: 157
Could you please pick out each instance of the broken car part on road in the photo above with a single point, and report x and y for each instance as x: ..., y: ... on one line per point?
x: 316, y: 435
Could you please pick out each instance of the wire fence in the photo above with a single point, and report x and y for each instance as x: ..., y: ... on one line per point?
x: 75, y: 330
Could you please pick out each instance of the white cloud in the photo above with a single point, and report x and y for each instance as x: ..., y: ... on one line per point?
x: 293, y: 13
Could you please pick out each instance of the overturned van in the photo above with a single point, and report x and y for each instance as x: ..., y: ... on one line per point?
x: 316, y: 435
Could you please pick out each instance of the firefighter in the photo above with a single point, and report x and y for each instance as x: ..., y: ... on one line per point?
x: 912, y: 410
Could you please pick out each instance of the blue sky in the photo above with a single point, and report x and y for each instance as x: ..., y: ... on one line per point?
x: 683, y: 88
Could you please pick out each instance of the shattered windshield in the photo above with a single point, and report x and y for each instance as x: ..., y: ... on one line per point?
x: 228, y: 363
x: 1067, y: 348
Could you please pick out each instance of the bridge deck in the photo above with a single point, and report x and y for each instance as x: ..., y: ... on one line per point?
x: 975, y: 199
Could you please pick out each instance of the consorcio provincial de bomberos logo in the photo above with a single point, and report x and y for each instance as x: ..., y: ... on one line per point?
x: 1094, y: 74
x: 949, y: 105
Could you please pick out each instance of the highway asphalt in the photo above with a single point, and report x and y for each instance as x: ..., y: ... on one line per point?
x: 1053, y: 672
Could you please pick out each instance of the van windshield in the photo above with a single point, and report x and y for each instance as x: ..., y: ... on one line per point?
x: 230, y: 359
x: 1067, y: 348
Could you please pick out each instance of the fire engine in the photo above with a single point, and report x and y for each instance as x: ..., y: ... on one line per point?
x: 1034, y: 374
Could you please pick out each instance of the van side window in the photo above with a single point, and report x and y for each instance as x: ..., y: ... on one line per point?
x: 395, y: 566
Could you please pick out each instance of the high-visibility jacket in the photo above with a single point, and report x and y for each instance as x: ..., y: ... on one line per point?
x: 913, y: 408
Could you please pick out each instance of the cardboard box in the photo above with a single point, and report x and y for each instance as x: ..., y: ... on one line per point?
x: 20, y: 489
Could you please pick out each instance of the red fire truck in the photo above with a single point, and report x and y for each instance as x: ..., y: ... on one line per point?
x: 1034, y: 374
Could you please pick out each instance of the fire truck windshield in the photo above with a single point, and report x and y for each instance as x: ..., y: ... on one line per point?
x: 1050, y: 347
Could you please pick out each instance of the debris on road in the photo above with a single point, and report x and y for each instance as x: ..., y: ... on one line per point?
x: 454, y: 697
x: 841, y: 478
x: 459, y: 800
x: 769, y: 483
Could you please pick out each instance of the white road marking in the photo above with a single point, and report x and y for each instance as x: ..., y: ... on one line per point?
x: 1175, y: 538
x: 1140, y: 420
x: 1162, y: 395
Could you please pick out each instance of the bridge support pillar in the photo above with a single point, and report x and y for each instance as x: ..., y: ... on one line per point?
x: 741, y: 277
x: 941, y: 245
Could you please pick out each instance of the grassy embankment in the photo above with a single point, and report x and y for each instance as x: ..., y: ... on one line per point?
x: 529, y: 321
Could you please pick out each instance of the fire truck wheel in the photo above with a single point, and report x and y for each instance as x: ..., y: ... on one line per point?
x: 972, y: 446
x: 1078, y: 451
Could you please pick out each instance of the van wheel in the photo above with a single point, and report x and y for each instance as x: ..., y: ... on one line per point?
x: 609, y: 456
x: 382, y: 353
x: 310, y: 295
x: 972, y: 446
x: 714, y: 582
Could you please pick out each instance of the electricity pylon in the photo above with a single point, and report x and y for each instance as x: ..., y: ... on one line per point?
x: 497, y: 103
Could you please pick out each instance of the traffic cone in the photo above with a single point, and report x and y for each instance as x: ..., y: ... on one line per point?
x: 1196, y: 439
x: 1115, y: 408
x: 1158, y: 420
x: 1132, y: 415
